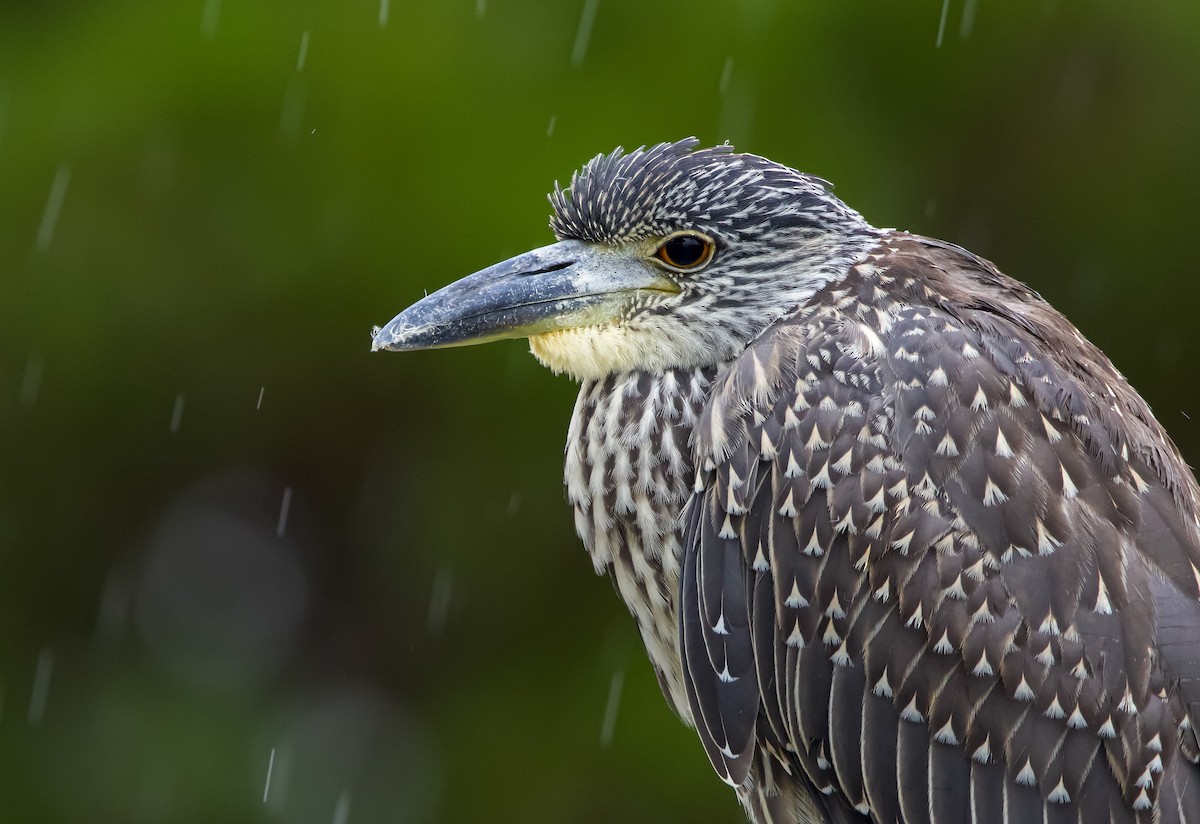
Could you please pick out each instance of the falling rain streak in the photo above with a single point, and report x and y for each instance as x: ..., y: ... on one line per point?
x: 302, y: 58
x: 610, y: 709
x: 550, y: 128
x: 341, y: 813
x: 267, y: 783
x: 275, y: 789
x: 726, y: 76
x: 291, y: 116
x: 737, y: 107
x: 281, y: 527
x: 209, y: 18
x: 177, y: 413
x: 31, y: 380
x: 439, y: 599
x: 54, y: 204
x: 261, y: 390
x: 480, y: 8
x: 584, y: 34
x: 41, y: 686
x: 383, y: 12
x: 968, y: 19
x: 965, y: 26
x: 114, y: 607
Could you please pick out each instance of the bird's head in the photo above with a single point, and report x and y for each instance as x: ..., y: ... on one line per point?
x: 667, y: 257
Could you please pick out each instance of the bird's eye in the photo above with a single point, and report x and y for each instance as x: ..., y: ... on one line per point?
x: 686, y: 251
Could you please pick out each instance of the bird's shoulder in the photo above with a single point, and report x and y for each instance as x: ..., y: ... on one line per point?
x: 934, y: 500
x: 923, y: 331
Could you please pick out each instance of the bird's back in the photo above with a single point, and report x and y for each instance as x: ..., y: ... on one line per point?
x: 939, y: 562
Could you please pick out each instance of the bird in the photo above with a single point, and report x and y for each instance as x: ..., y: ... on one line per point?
x: 901, y: 543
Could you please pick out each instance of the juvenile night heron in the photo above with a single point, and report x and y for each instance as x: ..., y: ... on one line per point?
x: 902, y: 544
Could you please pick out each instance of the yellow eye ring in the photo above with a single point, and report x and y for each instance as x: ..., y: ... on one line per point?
x: 687, y: 251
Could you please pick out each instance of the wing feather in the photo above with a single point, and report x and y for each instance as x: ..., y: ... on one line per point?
x: 949, y: 784
x: 952, y: 552
x: 986, y: 794
x: 716, y: 649
x: 879, y: 753
x: 847, y: 689
x: 912, y: 772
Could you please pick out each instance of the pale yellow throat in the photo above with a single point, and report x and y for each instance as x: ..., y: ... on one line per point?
x: 591, y: 352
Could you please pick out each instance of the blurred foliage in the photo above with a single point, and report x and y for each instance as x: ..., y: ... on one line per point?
x: 204, y: 206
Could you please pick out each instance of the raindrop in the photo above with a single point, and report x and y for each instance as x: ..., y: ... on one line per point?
x: 261, y: 389
x: 439, y: 599
x: 267, y: 783
x: 54, y: 203
x: 610, y: 709
x: 1186, y: 415
x: 277, y: 778
x: 584, y: 34
x: 550, y: 128
x: 514, y: 504
x: 942, y: 22
x: 209, y: 18
x: 480, y: 8
x: 931, y: 207
x: 968, y: 19
x: 383, y: 12
x: 31, y: 380
x: 292, y: 115
x: 341, y: 813
x: 281, y: 527
x: 41, y: 686
x: 177, y: 413
x: 726, y: 75
x: 737, y: 108
x: 114, y: 606
x: 302, y: 58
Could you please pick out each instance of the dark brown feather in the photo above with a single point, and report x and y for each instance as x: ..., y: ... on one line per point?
x: 976, y: 583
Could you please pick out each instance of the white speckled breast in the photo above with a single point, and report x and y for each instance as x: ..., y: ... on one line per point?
x: 628, y: 475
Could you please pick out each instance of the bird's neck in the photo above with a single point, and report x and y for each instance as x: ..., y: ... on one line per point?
x: 628, y: 475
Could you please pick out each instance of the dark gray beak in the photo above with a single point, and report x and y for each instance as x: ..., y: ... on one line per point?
x: 564, y: 285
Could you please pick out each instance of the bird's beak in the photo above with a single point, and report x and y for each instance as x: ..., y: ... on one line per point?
x: 564, y: 285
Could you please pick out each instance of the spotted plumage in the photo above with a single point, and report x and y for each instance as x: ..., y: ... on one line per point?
x: 902, y: 544
x: 1020, y: 587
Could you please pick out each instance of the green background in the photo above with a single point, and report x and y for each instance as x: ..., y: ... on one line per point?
x: 206, y: 205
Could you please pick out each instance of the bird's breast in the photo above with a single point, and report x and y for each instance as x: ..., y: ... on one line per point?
x: 628, y: 476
